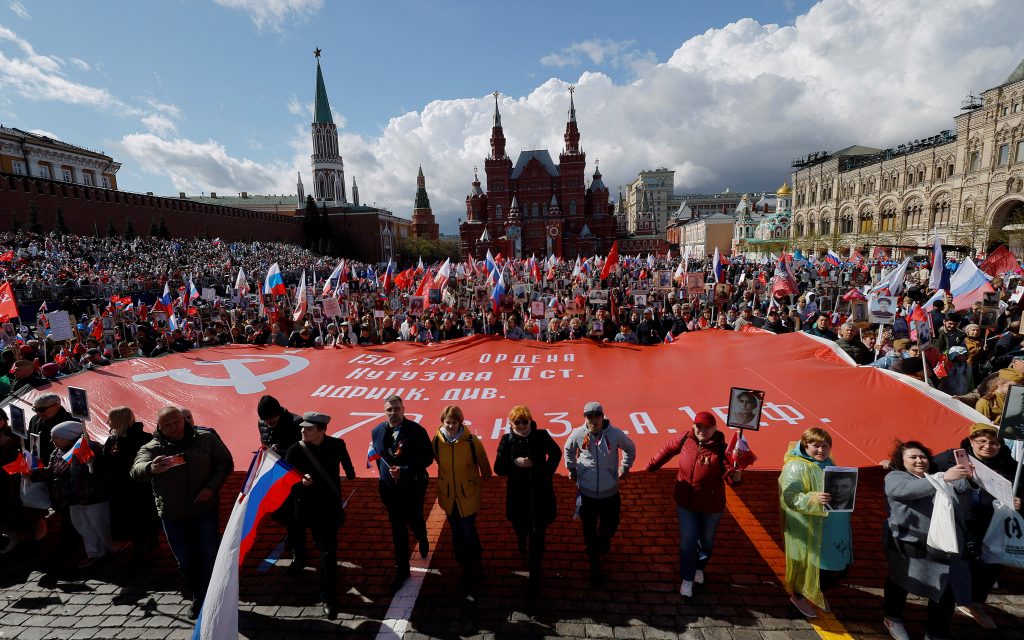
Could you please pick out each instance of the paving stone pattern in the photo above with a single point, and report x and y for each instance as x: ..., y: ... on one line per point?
x: 128, y: 597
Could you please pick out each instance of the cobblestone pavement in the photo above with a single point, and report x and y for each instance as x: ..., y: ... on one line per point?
x: 130, y: 597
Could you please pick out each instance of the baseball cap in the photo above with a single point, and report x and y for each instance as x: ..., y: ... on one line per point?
x: 704, y: 419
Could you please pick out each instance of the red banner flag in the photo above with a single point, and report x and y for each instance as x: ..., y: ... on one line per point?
x: 8, y: 304
x: 611, y: 261
x: 999, y: 262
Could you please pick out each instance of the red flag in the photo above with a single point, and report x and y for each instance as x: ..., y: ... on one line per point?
x: 940, y: 369
x: 738, y: 452
x: 8, y: 304
x: 853, y: 294
x: 611, y: 261
x: 7, y: 257
x: 999, y: 262
x: 426, y: 284
x: 18, y: 466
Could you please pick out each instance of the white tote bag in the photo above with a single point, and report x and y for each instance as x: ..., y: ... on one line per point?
x: 35, y: 495
x: 1004, y: 540
x: 942, y: 529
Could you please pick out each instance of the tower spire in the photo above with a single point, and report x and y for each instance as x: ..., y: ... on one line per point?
x: 497, y: 135
x: 322, y: 113
x: 328, y: 166
x: 572, y: 132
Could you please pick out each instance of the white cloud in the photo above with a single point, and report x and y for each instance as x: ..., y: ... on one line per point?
x: 205, y: 166
x: 272, y: 13
x: 598, y: 52
x: 20, y: 10
x: 729, y: 108
x: 159, y: 124
x: 81, y: 64
x: 44, y: 132
x: 169, y: 110
x: 297, y: 108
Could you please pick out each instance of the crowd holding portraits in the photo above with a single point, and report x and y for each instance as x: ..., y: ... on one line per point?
x: 973, y: 354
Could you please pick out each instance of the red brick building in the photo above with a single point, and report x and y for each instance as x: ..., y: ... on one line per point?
x: 423, y: 223
x: 536, y: 206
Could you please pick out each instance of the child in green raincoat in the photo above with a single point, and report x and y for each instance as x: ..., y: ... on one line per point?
x: 819, y: 542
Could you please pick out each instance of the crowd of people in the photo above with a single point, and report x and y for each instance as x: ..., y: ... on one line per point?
x: 973, y: 354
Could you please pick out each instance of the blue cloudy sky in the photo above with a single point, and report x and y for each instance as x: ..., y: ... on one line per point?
x: 216, y: 95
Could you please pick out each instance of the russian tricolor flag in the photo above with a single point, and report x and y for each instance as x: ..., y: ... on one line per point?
x: 274, y: 284
x: 499, y: 290
x: 81, y: 452
x: 716, y: 266
x: 832, y: 258
x: 270, y: 481
x: 968, y: 285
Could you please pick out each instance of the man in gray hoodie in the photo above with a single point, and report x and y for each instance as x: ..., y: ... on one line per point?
x: 592, y: 458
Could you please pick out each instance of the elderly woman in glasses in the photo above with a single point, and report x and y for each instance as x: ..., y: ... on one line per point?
x: 984, y: 444
x: 528, y: 457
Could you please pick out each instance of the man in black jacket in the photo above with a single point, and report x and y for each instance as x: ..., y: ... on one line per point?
x: 317, y: 501
x: 49, y: 413
x: 403, y: 453
x: 279, y: 428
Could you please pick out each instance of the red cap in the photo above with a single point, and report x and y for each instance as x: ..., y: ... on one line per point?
x: 26, y: 350
x: 704, y: 419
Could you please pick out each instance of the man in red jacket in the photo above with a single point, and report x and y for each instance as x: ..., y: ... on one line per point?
x: 699, y: 493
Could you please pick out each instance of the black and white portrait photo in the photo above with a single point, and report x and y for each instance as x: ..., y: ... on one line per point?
x: 882, y: 309
x: 841, y: 486
x: 745, y: 408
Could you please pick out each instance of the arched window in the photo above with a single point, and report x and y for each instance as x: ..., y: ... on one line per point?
x: 846, y: 223
x: 889, y: 218
x: 914, y: 215
x: 799, y: 228
x: 826, y: 225
x: 535, y: 210
x: 810, y: 227
x: 867, y: 221
x: 941, y: 212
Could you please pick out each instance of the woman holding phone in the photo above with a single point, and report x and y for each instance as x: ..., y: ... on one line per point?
x: 984, y: 444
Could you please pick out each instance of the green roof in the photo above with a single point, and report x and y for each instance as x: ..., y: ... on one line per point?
x: 422, y: 201
x: 322, y: 115
x: 1018, y: 74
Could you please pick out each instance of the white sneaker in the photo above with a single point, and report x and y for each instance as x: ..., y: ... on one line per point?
x: 896, y: 629
x: 686, y: 589
x: 803, y: 606
x: 978, y: 614
x: 698, y: 578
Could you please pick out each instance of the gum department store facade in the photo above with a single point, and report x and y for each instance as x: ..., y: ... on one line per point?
x: 967, y: 183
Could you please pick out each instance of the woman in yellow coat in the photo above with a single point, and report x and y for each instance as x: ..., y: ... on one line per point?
x: 819, y: 541
x: 461, y: 467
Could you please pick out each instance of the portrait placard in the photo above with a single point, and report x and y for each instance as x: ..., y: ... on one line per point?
x: 537, y: 309
x: 745, y: 408
x: 416, y: 305
x: 989, y: 317
x: 60, y: 326
x: 1012, y: 423
x: 859, y: 313
x: 78, y: 398
x: 640, y: 300
x: 332, y: 309
x: 882, y: 309
x: 18, y: 426
x: 694, y: 283
x: 434, y: 296
x: 664, y: 279
x: 841, y: 485
x: 722, y: 292
x: 598, y: 296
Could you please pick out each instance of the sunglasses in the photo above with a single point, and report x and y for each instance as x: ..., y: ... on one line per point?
x: 521, y: 422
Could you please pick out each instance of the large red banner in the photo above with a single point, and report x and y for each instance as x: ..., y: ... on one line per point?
x: 650, y: 392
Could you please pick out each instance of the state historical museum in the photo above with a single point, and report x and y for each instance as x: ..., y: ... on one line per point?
x: 536, y: 207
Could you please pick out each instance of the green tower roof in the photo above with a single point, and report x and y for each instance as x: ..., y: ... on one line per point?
x: 322, y: 115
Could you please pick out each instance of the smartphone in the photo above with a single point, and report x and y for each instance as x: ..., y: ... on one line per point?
x: 175, y: 461
x: 961, y: 457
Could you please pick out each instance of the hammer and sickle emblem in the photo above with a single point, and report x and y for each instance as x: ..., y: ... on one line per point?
x: 1012, y: 526
x: 239, y: 375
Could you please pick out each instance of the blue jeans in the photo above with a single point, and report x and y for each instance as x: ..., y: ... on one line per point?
x: 696, y: 538
x: 194, y: 542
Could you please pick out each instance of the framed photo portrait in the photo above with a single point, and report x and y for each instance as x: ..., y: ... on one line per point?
x: 480, y: 296
x: 434, y: 296
x: 78, y: 398
x: 859, y: 313
x: 18, y: 424
x: 990, y: 299
x: 722, y: 292
x: 882, y: 309
x: 665, y: 279
x: 1012, y: 424
x: 745, y: 408
x: 841, y: 485
x: 694, y: 283
x: 989, y: 317
x: 416, y: 305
